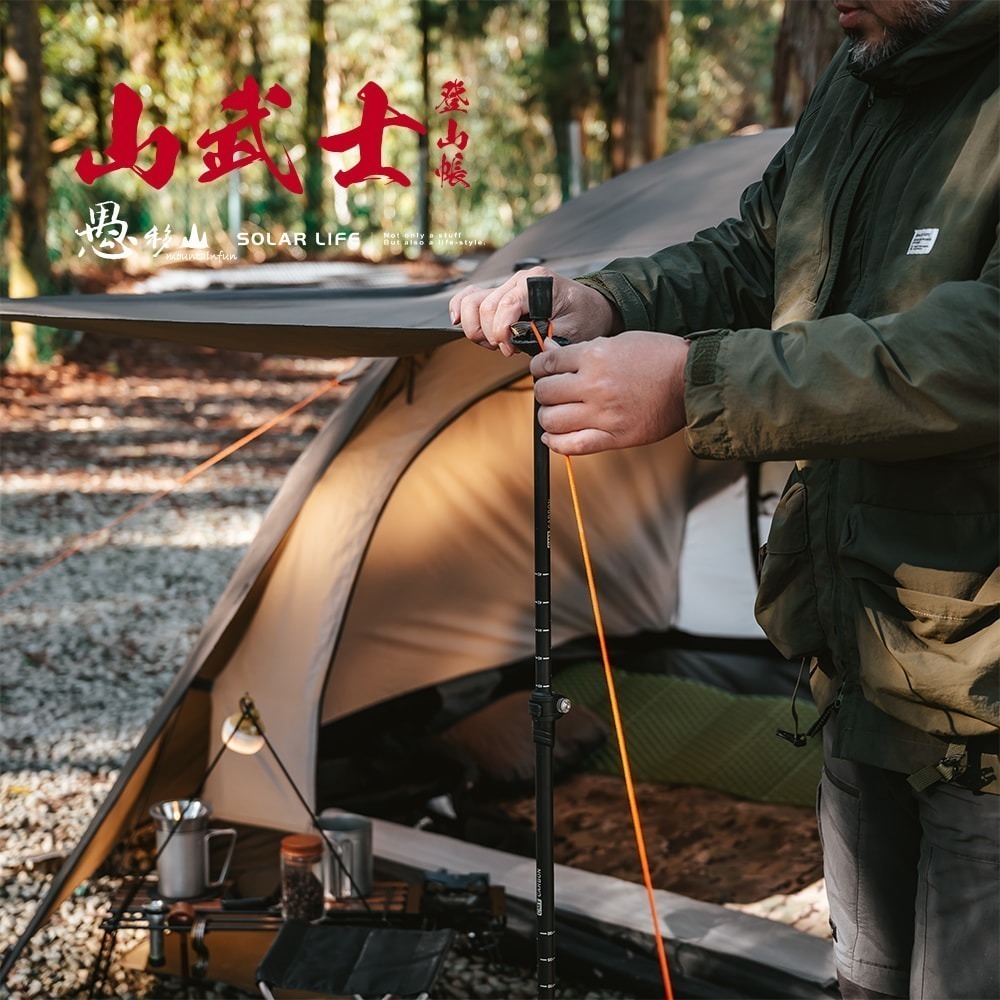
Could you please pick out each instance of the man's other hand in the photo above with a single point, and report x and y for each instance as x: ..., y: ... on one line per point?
x: 610, y: 393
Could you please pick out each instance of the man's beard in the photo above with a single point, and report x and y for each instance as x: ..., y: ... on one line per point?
x: 920, y: 19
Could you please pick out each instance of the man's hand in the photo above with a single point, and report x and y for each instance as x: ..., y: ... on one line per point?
x: 486, y: 314
x: 610, y: 393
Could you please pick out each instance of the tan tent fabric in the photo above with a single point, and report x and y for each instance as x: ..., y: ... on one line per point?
x: 286, y: 647
x: 446, y: 586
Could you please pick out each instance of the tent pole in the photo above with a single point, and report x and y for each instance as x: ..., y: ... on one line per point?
x: 545, y: 707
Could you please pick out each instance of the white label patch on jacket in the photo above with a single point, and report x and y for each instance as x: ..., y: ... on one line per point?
x: 923, y: 240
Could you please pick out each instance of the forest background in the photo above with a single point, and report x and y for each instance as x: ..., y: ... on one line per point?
x: 552, y: 97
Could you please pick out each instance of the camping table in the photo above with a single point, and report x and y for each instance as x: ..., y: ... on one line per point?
x: 393, y: 903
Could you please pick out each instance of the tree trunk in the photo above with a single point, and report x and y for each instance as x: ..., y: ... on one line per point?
x: 424, y: 141
x: 808, y: 38
x: 560, y: 103
x: 315, y: 116
x: 258, y: 51
x: 568, y: 85
x: 639, y: 127
x: 30, y: 272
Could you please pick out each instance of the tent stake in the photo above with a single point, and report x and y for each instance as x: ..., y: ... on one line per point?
x: 546, y: 708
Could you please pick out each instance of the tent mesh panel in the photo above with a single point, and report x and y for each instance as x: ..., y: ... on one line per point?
x: 680, y: 731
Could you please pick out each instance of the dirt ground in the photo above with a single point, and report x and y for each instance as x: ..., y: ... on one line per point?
x: 700, y: 843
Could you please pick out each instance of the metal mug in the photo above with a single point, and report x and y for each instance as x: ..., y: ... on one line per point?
x: 182, y: 848
x: 350, y: 872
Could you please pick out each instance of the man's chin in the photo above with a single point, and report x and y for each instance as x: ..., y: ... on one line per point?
x: 867, y: 51
x: 865, y: 54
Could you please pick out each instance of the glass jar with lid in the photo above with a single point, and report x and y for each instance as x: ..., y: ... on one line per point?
x: 302, y: 877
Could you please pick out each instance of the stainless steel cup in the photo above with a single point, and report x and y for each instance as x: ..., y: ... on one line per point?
x: 349, y: 873
x: 182, y: 844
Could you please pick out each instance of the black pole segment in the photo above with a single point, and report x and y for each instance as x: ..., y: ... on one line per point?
x: 543, y: 704
x: 539, y: 299
x: 542, y: 707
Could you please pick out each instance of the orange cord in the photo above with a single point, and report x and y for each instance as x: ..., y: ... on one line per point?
x: 633, y: 801
x: 186, y: 478
x: 620, y: 734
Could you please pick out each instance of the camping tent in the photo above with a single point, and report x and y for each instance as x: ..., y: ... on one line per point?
x: 397, y: 554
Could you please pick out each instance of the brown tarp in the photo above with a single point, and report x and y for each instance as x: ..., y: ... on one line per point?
x: 645, y: 209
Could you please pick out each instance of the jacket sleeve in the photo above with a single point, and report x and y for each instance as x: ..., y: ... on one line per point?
x: 910, y: 385
x: 723, y: 277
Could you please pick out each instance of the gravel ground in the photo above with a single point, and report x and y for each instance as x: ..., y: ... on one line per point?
x: 90, y: 645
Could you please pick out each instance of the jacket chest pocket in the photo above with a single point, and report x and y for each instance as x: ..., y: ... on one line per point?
x: 786, y: 606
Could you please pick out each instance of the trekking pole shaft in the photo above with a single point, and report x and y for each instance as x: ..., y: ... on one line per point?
x: 544, y: 715
x: 543, y: 704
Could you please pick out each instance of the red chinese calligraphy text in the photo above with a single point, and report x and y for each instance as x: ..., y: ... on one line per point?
x: 233, y: 152
x: 453, y: 97
x: 123, y: 151
x: 454, y: 137
x: 452, y: 172
x: 376, y: 117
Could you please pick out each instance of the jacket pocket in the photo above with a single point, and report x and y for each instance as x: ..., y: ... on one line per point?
x: 928, y: 590
x: 786, y: 606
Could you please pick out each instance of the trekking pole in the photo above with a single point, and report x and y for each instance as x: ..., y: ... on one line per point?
x: 546, y: 707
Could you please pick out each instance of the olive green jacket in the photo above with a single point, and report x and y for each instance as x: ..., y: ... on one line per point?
x: 849, y: 320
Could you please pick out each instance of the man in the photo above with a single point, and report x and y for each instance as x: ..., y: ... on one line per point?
x: 847, y: 320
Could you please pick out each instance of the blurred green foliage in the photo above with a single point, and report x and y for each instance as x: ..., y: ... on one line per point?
x: 721, y: 58
x: 184, y: 56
